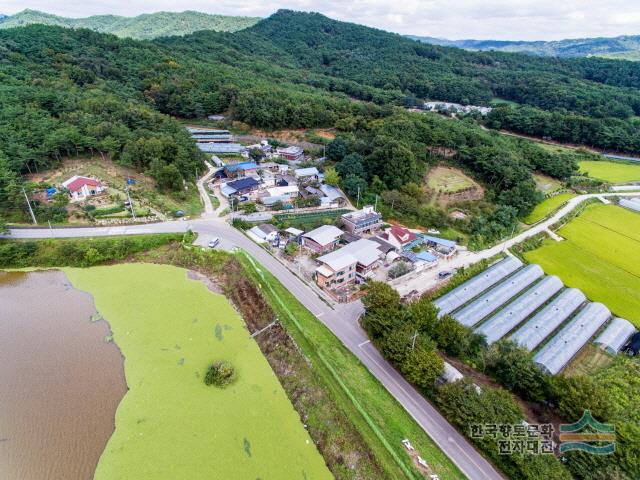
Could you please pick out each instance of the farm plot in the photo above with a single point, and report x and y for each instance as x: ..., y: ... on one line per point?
x: 598, y: 257
x: 448, y: 180
x: 547, y: 207
x: 612, y: 172
x: 170, y: 424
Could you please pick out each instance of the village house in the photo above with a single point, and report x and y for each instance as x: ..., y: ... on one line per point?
x: 337, y: 268
x: 366, y: 220
x: 292, y: 154
x: 323, y: 239
x: 240, y: 187
x: 400, y: 238
x: 242, y: 169
x: 80, y: 188
x: 278, y: 194
x: 263, y: 233
x: 284, y: 180
x: 332, y: 196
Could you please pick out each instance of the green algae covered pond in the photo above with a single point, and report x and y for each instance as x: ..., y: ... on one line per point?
x: 167, y: 329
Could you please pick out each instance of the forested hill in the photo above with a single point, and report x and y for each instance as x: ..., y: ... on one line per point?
x: 145, y: 26
x: 73, y: 91
x: 623, y: 47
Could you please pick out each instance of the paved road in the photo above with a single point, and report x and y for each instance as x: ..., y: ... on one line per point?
x: 341, y: 320
x: 429, y: 278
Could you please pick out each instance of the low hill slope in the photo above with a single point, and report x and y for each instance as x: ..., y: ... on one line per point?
x: 145, y: 26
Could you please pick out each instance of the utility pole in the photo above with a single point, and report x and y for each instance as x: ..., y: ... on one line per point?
x: 133, y: 212
x: 358, y: 203
x: 33, y: 217
x: 375, y: 207
x: 413, y: 340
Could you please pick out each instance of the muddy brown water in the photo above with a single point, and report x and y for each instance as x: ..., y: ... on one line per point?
x: 60, y: 381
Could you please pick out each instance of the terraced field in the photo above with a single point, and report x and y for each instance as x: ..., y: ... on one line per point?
x: 599, y: 256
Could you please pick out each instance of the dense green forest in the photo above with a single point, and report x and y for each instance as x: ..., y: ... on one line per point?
x: 70, y: 92
x: 147, y: 26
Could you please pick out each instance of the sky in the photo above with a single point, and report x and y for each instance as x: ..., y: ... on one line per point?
x: 452, y: 19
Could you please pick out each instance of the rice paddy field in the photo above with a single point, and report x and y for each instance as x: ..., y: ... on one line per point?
x: 547, y: 207
x: 612, y: 172
x: 171, y: 425
x: 599, y: 256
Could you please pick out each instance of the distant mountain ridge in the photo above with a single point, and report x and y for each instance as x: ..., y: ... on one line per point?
x: 623, y: 47
x: 146, y: 26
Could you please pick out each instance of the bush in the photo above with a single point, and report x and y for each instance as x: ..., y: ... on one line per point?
x: 220, y: 374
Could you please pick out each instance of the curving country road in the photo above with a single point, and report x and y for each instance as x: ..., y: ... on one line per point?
x: 342, y: 319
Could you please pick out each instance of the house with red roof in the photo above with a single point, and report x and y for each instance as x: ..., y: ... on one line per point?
x: 80, y: 188
x: 400, y: 237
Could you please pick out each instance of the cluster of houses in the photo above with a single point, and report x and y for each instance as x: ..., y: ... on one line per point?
x: 352, y: 254
x: 455, y: 108
x: 221, y: 142
x: 270, y: 183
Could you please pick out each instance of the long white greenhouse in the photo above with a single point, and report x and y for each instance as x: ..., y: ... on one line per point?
x: 517, y: 311
x: 614, y: 337
x: 561, y: 348
x: 533, y: 333
x: 633, y: 204
x: 475, y: 286
x: 498, y: 296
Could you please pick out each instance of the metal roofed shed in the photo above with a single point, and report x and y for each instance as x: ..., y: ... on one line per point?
x: 517, y: 311
x: 475, y: 286
x: 325, y: 234
x: 306, y: 172
x: 533, y: 333
x: 221, y: 147
x: 615, y: 336
x: 560, y: 349
x: 498, y: 296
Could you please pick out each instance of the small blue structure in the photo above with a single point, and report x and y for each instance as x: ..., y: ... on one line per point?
x: 426, y: 257
x: 51, y: 192
x: 131, y: 181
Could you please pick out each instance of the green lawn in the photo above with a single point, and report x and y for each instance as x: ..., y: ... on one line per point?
x: 612, y: 172
x: 598, y: 257
x: 379, y: 417
x: 547, y: 207
x: 170, y: 425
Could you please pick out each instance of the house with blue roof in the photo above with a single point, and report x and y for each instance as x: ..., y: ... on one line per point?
x: 242, y: 169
